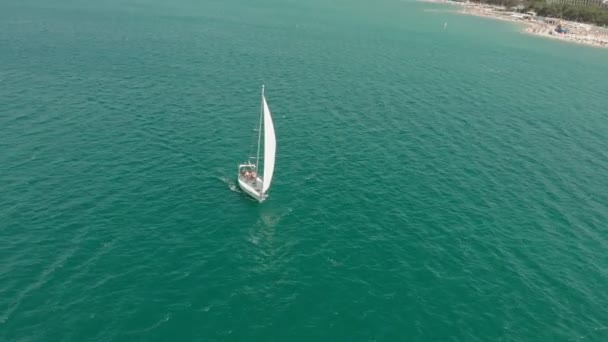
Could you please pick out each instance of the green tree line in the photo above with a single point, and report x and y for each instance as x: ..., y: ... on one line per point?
x: 587, y: 14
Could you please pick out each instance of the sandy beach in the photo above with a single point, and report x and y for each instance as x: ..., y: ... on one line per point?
x: 580, y: 33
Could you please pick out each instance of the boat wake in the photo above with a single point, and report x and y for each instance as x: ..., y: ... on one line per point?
x: 231, y: 184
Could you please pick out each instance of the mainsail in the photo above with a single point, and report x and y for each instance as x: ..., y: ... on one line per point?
x: 270, y: 146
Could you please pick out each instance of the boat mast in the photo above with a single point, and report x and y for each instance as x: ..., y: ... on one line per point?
x: 257, y: 159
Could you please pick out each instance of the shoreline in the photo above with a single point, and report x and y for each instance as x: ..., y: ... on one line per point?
x: 585, y: 34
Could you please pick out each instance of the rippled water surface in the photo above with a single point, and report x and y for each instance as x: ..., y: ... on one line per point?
x: 430, y: 185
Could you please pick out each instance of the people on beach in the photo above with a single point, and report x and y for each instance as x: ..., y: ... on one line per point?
x: 546, y: 27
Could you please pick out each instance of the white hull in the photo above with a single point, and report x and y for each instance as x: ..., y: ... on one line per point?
x: 252, y: 188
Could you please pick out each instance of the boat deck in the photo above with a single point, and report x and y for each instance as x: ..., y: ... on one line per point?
x: 255, y: 184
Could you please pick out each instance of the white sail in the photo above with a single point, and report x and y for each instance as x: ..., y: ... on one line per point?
x: 270, y: 146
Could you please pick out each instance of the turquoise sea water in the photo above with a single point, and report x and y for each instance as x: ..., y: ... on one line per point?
x: 431, y: 184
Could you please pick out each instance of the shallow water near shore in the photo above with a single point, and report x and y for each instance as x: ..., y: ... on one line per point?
x: 431, y: 184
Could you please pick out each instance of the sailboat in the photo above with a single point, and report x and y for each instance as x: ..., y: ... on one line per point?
x: 250, y: 180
